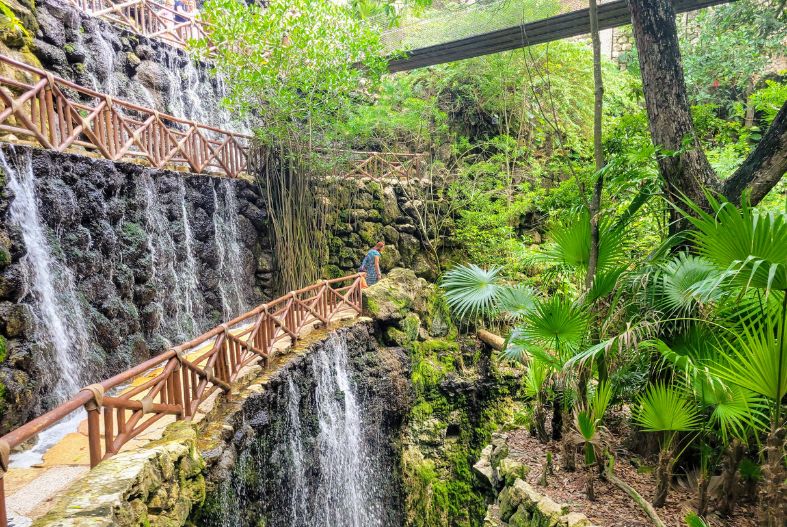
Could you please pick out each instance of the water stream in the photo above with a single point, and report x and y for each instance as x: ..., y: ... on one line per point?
x: 317, y: 468
x: 60, y: 322
x: 225, y: 228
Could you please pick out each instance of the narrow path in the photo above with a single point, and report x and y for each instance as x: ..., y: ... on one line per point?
x: 30, y: 491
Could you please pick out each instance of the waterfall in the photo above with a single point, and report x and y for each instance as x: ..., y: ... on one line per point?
x: 173, y: 291
x: 329, y: 469
x: 230, y: 265
x: 191, y: 292
x: 59, y: 318
x: 342, y: 496
x: 298, y: 504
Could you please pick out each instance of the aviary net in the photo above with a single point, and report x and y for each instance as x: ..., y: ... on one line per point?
x: 450, y: 21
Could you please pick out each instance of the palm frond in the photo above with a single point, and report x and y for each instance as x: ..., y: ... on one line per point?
x: 516, y: 301
x: 748, y: 243
x: 470, y: 291
x: 756, y: 359
x: 557, y: 323
x: 665, y: 408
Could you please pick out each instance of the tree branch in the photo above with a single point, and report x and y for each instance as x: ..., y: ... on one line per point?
x: 764, y: 167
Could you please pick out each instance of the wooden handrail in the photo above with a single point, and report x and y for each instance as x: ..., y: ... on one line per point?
x: 185, y: 376
x: 148, y: 18
x: 61, y: 115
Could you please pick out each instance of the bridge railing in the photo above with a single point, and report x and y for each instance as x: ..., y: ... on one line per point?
x: 383, y: 165
x: 147, y: 17
x: 61, y: 115
x: 176, y: 382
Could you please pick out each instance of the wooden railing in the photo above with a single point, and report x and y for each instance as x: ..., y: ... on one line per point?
x: 61, y: 115
x: 179, y: 380
x: 147, y: 17
x: 383, y: 165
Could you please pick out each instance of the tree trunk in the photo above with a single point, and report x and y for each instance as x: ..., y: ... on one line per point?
x: 764, y: 167
x: 682, y: 162
x: 683, y: 165
x: 729, y: 475
x: 598, y: 152
x: 568, y: 450
x: 663, y: 477
x: 773, y: 491
x: 557, y: 417
x: 702, y: 494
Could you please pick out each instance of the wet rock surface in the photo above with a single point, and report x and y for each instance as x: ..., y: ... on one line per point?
x: 250, y: 468
x: 119, y: 230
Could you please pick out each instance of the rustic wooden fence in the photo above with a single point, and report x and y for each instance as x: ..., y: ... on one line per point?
x: 61, y: 115
x: 147, y: 17
x: 176, y: 382
x: 381, y: 166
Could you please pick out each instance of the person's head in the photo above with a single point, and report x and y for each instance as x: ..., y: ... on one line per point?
x: 379, y: 246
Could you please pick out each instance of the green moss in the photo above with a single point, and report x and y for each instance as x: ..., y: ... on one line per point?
x: 5, y: 257
x: 3, y: 348
x: 133, y: 233
x: 69, y: 48
x: 80, y: 67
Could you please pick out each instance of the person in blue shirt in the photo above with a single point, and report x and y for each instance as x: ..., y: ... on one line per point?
x: 371, y: 264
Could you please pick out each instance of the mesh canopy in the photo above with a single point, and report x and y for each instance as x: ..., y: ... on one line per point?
x: 449, y: 21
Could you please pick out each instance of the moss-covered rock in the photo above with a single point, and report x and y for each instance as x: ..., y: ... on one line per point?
x: 157, y: 485
x: 396, y: 295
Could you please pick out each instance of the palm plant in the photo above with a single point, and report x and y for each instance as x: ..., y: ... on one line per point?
x: 588, y: 424
x: 667, y: 410
x: 471, y: 292
x: 749, y: 247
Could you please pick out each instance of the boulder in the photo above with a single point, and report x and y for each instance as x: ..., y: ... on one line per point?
x: 396, y: 295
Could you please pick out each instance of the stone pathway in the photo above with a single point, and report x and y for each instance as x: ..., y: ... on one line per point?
x: 30, y: 491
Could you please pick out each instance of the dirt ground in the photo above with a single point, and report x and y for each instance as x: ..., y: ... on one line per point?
x: 612, y: 507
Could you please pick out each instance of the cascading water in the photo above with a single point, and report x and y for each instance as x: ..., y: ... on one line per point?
x: 313, y: 464
x: 343, y: 494
x: 225, y: 227
x: 59, y: 318
x: 172, y: 288
x: 191, y: 293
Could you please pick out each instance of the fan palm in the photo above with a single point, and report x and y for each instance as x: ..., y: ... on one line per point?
x: 587, y: 422
x: 471, y: 292
x: 750, y: 245
x: 666, y: 409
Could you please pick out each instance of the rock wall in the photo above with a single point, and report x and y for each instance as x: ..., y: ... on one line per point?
x: 460, y: 396
x: 158, y: 484
x: 366, y: 212
x: 517, y: 503
x: 265, y: 463
x: 154, y: 257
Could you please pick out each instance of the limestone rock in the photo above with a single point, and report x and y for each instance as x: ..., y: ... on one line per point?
x: 509, y: 470
x: 483, y: 466
x: 162, y: 479
x: 398, y: 293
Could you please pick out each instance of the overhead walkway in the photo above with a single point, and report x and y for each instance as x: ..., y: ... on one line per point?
x: 567, y: 25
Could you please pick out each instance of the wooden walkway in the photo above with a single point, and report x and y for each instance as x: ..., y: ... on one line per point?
x: 573, y: 24
x: 178, y: 384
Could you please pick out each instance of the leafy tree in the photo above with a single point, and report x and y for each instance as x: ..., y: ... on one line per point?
x: 728, y: 48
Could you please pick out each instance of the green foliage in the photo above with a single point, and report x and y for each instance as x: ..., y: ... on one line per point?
x: 665, y: 408
x: 291, y: 66
x: 471, y: 292
x: 770, y: 99
x: 748, y: 245
x: 731, y: 45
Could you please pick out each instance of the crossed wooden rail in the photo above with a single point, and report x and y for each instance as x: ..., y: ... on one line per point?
x: 61, y: 115
x: 147, y: 17
x: 384, y: 165
x: 184, y: 376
